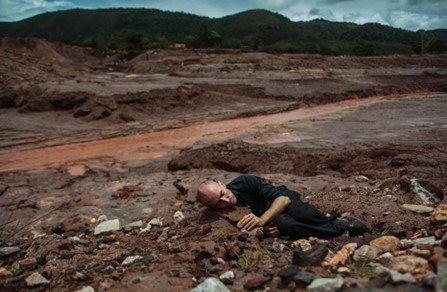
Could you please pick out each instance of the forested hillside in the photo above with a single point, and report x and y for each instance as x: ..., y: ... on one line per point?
x: 138, y: 29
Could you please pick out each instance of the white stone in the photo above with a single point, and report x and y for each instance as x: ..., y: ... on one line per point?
x: 133, y: 225
x: 421, y: 209
x: 131, y: 259
x: 227, y: 275
x: 36, y: 279
x: 325, y: 285
x: 86, y: 289
x: 146, y: 229
x: 211, y: 284
x: 361, y: 178
x: 107, y: 226
x: 178, y: 217
x: 102, y: 218
x: 425, y: 240
x: 155, y: 222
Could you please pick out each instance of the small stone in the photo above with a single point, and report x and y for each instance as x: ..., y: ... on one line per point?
x: 303, y: 279
x: 256, y: 282
x: 311, y: 257
x: 107, y: 226
x: 155, y: 222
x: 211, y: 284
x: 441, y: 278
x: 288, y: 272
x: 406, y: 243
x: 344, y: 271
x: 385, y: 243
x: 385, y: 258
x: 147, y: 211
x: 131, y: 259
x: 397, y: 277
x: 416, y: 266
x: 36, y: 279
x: 86, y: 289
x: 423, y: 253
x: 28, y: 264
x: 302, y: 244
x: 178, y: 217
x: 428, y: 241
x: 8, y: 251
x: 227, y: 277
x: 361, y: 178
x: 172, y: 273
x: 79, y: 276
x: 133, y: 225
x: 341, y: 256
x: 365, y: 253
x: 439, y: 214
x: 102, y: 218
x: 420, y: 209
x: 4, y: 273
x: 325, y: 285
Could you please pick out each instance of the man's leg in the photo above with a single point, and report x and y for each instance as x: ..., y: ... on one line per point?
x: 304, y: 212
x: 287, y: 225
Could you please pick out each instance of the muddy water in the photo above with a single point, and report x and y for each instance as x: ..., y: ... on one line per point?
x: 168, y: 142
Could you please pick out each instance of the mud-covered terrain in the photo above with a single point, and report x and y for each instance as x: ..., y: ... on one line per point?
x: 91, y: 139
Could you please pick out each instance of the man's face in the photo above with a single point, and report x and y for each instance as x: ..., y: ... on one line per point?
x: 217, y: 196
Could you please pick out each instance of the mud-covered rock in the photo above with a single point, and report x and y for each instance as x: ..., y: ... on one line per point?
x: 311, y: 257
x: 385, y: 244
x: 256, y: 282
x: 28, y: 264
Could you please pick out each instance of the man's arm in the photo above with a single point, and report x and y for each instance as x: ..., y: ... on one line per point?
x: 250, y: 221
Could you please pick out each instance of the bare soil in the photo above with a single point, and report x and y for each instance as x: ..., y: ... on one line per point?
x: 86, y: 133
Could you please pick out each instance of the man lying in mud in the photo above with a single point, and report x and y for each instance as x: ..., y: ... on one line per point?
x: 278, y: 210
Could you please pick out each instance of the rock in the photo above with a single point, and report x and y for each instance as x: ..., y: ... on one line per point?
x: 256, y: 282
x: 416, y: 266
x: 385, y: 258
x: 385, y: 243
x: 211, y: 284
x: 146, y: 229
x: 107, y: 226
x: 102, y: 218
x: 147, y: 211
x: 178, y: 217
x: 344, y: 271
x: 302, y: 244
x: 36, y: 279
x: 427, y: 242
x: 311, y: 257
x: 155, y: 222
x: 361, y: 178
x: 441, y: 278
x: 341, y: 256
x: 421, y: 209
x: 444, y: 241
x: 365, y: 253
x: 325, y: 285
x: 28, y: 264
x: 423, y: 253
x: 427, y: 198
x: 303, y: 279
x: 406, y: 243
x: 133, y: 225
x: 430, y: 279
x: 131, y: 259
x: 8, y: 251
x: 286, y: 274
x: 229, y: 275
x: 86, y: 289
x: 4, y: 273
x: 398, y: 278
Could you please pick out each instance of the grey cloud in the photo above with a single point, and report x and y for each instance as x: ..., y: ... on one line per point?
x: 336, y: 1
x: 321, y: 13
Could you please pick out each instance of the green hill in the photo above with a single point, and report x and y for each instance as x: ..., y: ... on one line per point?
x: 137, y: 29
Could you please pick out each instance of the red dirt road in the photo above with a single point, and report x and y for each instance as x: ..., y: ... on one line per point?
x: 163, y: 143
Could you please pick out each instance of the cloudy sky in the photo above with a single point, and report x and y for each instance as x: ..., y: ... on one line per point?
x: 408, y: 14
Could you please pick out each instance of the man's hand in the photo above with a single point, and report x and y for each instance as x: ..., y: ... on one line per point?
x: 271, y: 231
x: 249, y: 221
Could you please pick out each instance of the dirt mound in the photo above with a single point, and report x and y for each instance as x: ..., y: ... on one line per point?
x: 378, y: 161
x: 35, y: 47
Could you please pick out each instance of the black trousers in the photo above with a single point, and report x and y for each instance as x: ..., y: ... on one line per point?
x: 301, y: 220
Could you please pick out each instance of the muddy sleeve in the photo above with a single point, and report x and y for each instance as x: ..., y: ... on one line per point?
x: 255, y: 185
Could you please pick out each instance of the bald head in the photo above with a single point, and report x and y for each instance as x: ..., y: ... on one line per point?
x: 214, y: 194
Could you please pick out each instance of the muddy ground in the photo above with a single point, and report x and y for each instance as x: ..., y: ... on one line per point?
x: 85, y: 134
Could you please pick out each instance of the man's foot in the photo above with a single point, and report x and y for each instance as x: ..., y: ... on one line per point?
x: 355, y: 225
